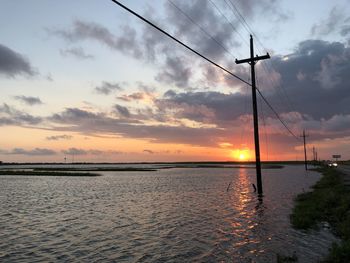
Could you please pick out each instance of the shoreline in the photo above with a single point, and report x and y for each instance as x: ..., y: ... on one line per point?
x: 45, y: 173
x: 328, y: 201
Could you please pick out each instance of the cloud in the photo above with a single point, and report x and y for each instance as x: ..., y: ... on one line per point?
x: 175, y: 71
x: 82, y: 30
x: 76, y: 52
x: 345, y: 30
x: 133, y: 96
x: 49, y: 77
x: 148, y: 151
x: 336, y: 19
x: 205, y: 106
x: 106, y: 88
x: 145, y: 94
x: 204, y: 16
x: 72, y: 115
x: 34, y: 152
x: 59, y: 137
x: 77, y: 151
x: 122, y: 111
x: 29, y: 100
x: 11, y: 116
x: 252, y: 8
x: 13, y: 64
x: 93, y: 124
x: 315, y: 74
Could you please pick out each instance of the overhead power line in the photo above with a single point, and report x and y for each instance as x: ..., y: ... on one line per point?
x: 233, y: 27
x: 205, y: 58
x: 249, y: 29
x: 180, y: 42
x: 200, y: 27
x: 277, y: 115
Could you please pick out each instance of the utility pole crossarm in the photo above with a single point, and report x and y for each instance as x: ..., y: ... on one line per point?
x: 249, y: 60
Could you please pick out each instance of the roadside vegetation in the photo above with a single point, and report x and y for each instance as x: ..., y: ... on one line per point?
x: 328, y: 202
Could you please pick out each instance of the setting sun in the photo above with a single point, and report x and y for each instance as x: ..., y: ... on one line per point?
x: 242, y: 157
x: 240, y: 154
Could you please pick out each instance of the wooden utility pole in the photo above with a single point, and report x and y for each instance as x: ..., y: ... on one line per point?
x: 304, y: 136
x: 252, y: 61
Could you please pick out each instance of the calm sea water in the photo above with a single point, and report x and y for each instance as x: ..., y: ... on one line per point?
x: 172, y: 215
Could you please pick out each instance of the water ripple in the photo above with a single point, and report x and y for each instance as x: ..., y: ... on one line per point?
x: 174, y: 215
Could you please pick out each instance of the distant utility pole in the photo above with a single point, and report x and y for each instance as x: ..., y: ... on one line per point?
x: 252, y: 61
x: 304, y: 136
x: 316, y: 156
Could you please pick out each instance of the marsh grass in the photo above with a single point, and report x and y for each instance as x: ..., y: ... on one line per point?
x: 45, y: 173
x: 328, y: 202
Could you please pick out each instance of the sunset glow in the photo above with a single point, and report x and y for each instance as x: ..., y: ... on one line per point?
x: 106, y: 88
x: 241, y: 155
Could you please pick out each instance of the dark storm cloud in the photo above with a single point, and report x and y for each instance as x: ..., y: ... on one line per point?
x: 203, y: 15
x: 29, y: 100
x: 59, y: 137
x: 215, y: 76
x: 208, y: 107
x: 106, y: 88
x: 190, y: 17
x: 13, y: 64
x: 315, y: 77
x: 175, y: 71
x: 12, y: 116
x: 82, y: 30
x: 34, y: 152
x: 76, y: 52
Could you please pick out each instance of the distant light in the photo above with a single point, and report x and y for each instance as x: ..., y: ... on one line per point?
x: 285, y: 58
x: 333, y: 165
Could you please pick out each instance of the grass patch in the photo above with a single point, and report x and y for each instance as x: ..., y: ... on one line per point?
x: 329, y: 201
x: 287, y: 259
x: 45, y: 173
x: 101, y: 169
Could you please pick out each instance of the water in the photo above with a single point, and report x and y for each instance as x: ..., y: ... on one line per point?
x: 172, y: 215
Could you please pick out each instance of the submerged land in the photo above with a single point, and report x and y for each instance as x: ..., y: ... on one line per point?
x: 92, y: 169
x: 329, y: 200
x: 46, y: 173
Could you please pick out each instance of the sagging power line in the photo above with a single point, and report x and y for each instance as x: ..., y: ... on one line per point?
x: 252, y: 60
x: 248, y: 28
x: 204, y: 57
x: 200, y: 27
x: 178, y: 41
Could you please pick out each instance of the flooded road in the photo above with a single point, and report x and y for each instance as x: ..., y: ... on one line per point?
x: 169, y: 215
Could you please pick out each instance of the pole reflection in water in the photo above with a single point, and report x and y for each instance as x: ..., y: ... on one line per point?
x: 172, y: 215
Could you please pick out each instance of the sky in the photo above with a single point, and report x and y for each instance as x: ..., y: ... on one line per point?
x: 85, y: 81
